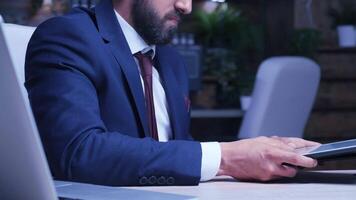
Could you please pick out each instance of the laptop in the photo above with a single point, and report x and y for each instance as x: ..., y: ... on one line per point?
x: 24, y: 172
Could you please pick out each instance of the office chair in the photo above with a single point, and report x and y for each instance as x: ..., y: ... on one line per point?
x: 282, y: 98
x: 17, y: 38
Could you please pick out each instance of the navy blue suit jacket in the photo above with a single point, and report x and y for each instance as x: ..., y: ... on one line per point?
x: 88, y: 102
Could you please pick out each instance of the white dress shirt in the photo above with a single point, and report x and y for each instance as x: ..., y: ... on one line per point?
x: 211, y: 152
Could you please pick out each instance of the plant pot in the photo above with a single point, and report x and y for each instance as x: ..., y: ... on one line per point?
x: 206, y: 96
x: 245, y: 102
x: 347, y: 35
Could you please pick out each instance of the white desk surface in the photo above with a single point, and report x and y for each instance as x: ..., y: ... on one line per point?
x: 338, y: 185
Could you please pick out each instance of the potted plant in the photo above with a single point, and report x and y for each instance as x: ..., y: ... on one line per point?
x: 230, y: 41
x: 305, y: 42
x: 344, y: 21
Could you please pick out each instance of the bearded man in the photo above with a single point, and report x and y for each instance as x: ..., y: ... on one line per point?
x: 110, y: 98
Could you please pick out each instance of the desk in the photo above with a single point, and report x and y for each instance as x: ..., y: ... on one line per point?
x: 340, y: 185
x: 320, y: 185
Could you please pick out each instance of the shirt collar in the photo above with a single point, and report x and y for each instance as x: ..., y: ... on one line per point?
x: 135, y: 41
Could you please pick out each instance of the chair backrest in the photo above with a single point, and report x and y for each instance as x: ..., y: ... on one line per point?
x: 16, y: 39
x: 282, y: 99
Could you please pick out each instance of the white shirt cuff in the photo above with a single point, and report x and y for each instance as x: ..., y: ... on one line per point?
x: 210, y: 161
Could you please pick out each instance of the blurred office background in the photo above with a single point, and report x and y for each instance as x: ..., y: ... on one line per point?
x: 224, y: 42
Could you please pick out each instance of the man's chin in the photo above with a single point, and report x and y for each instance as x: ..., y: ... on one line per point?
x: 170, y: 27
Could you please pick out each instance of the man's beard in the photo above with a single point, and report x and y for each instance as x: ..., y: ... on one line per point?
x: 149, y: 25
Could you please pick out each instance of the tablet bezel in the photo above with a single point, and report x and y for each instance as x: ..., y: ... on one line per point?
x: 316, y: 152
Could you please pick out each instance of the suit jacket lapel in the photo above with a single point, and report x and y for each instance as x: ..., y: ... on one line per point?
x: 110, y: 30
x: 175, y: 97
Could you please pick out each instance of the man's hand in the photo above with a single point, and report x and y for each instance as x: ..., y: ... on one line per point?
x: 263, y: 158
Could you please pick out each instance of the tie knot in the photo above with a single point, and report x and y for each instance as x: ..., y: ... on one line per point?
x: 145, y: 61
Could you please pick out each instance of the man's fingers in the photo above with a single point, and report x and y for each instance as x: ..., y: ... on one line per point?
x: 282, y: 146
x: 276, y: 171
x: 280, y: 156
x: 286, y: 171
x: 302, y: 143
x: 297, y: 160
x: 298, y: 142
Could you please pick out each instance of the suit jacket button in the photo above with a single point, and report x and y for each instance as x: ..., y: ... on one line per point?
x: 171, y: 181
x: 143, y: 180
x: 161, y: 180
x: 152, y: 180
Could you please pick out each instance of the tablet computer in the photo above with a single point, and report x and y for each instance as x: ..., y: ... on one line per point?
x: 341, y: 149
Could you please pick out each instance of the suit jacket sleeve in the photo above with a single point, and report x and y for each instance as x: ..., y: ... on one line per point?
x: 61, y: 76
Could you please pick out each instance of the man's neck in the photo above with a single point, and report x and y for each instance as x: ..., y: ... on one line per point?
x: 124, y: 7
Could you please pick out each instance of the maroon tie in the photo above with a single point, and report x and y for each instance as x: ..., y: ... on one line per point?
x: 145, y: 62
